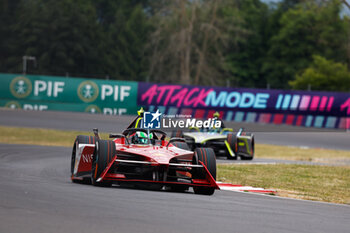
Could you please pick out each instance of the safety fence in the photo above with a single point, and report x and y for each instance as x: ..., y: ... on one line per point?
x: 301, y: 108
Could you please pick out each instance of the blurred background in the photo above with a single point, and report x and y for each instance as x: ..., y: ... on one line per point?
x: 280, y: 44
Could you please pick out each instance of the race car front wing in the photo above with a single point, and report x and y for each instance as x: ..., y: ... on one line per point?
x: 208, y: 181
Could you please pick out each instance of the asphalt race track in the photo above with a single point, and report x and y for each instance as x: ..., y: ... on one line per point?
x: 38, y: 196
x: 268, y: 134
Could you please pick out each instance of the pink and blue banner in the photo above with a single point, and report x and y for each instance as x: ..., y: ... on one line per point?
x: 301, y: 108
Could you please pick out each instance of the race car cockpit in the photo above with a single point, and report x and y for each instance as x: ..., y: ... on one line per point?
x: 145, y: 136
x: 220, y: 130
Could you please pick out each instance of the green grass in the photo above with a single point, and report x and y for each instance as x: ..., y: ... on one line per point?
x: 309, y: 182
x: 43, y: 137
x: 295, y: 153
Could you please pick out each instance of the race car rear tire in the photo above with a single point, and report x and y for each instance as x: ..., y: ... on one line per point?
x: 177, y: 133
x: 80, y: 139
x: 252, y: 147
x: 208, y: 158
x: 181, y: 145
x: 232, y: 141
x: 103, y: 155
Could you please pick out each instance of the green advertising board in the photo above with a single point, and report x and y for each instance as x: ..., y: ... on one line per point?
x: 43, y: 106
x: 34, y: 92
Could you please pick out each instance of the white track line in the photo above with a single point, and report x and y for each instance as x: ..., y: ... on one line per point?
x: 240, y: 188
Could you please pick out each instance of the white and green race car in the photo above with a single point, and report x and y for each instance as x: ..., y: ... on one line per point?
x: 224, y: 141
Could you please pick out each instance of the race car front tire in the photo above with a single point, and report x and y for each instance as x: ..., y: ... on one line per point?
x: 103, y: 155
x: 232, y: 141
x: 80, y: 139
x: 208, y: 158
x: 252, y: 148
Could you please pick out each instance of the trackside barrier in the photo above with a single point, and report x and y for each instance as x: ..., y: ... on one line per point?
x: 300, y: 108
x: 35, y: 92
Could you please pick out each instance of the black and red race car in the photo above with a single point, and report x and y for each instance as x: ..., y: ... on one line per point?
x: 143, y: 158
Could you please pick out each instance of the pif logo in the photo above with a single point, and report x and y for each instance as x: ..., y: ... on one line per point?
x: 93, y: 109
x: 13, y: 105
x: 151, y: 120
x: 20, y: 87
x: 88, y: 91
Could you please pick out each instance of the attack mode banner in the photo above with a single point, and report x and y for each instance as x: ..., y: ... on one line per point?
x: 320, y: 109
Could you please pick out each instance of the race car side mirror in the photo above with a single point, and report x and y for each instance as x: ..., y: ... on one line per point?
x: 118, y: 135
x: 240, y: 131
x: 95, y: 130
x: 224, y: 130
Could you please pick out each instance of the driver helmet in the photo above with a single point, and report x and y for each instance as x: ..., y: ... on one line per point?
x: 142, y: 137
x: 216, y: 115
